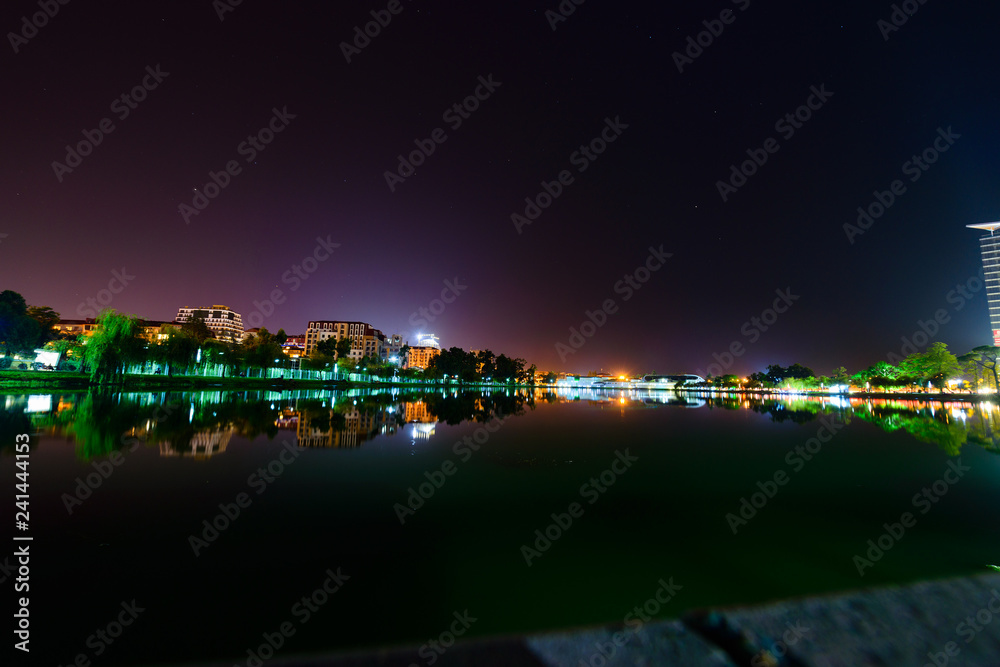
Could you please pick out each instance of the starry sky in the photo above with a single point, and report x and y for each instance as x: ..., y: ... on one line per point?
x: 275, y: 158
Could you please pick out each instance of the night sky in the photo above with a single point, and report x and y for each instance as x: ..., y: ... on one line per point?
x: 607, y: 68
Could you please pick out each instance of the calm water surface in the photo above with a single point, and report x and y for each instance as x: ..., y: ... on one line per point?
x: 122, y: 485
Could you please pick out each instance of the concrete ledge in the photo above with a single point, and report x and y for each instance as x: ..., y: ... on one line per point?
x: 935, y: 623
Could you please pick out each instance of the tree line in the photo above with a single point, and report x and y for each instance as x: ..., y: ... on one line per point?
x: 935, y: 367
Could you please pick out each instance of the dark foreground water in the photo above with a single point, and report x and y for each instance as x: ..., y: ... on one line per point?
x: 379, y: 519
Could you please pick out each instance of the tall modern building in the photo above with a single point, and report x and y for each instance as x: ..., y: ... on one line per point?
x: 989, y: 246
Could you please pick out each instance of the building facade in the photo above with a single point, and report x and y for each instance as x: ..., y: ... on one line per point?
x: 75, y: 327
x: 420, y: 356
x: 989, y: 247
x: 223, y: 321
x: 393, y: 345
x: 366, y: 340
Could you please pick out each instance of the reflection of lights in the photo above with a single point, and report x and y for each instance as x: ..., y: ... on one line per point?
x: 191, y: 414
x: 423, y: 431
x: 39, y: 403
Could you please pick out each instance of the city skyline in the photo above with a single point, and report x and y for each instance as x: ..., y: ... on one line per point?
x: 665, y: 177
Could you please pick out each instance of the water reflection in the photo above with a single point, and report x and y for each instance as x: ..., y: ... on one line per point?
x: 200, y: 425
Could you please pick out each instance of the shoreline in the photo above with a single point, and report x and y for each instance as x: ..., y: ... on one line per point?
x: 15, y: 380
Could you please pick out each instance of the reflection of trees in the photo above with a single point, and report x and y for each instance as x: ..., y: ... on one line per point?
x: 12, y: 423
x: 795, y: 411
x: 476, y: 406
x: 102, y: 422
x: 939, y: 428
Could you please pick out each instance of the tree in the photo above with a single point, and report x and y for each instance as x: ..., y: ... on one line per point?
x: 488, y: 362
x: 937, y: 364
x: 342, y: 347
x: 197, y: 329
x: 262, y: 350
x: 19, y: 332
x: 47, y: 320
x: 114, y: 344
x: 840, y: 376
x: 177, y: 352
x: 527, y: 375
x: 326, y: 347
x: 799, y: 372
x: 69, y: 349
x: 986, y: 358
x: 281, y: 337
x: 549, y: 378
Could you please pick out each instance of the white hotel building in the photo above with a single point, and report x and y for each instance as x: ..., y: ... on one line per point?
x: 223, y: 321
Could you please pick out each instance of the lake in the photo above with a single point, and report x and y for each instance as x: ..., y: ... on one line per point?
x: 182, y: 527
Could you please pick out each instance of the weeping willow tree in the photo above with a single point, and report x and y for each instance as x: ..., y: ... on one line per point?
x: 114, y: 344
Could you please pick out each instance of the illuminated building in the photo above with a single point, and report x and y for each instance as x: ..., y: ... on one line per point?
x: 75, y: 327
x: 366, y: 340
x: 420, y: 356
x: 989, y: 246
x: 222, y: 321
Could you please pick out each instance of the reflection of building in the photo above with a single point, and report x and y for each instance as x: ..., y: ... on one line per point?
x: 358, y: 427
x: 203, y: 444
x: 366, y: 340
x: 287, y: 418
x: 416, y: 411
x: 989, y: 246
x: 223, y: 321
x: 420, y: 356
